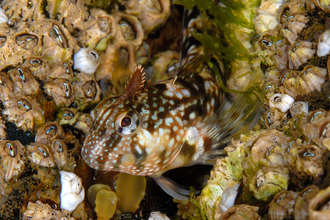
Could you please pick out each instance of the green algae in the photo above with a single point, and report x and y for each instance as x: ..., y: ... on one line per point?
x: 236, y: 12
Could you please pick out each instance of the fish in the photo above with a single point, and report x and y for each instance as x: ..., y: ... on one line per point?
x: 183, y: 121
x: 180, y: 122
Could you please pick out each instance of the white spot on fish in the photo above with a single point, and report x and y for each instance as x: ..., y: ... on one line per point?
x: 168, y: 121
x: 185, y: 92
x: 212, y: 102
x: 158, y: 123
x: 170, y: 143
x: 192, y: 115
x: 168, y: 93
x: 179, y: 121
x: 207, y: 85
x: 138, y: 149
x: 179, y: 95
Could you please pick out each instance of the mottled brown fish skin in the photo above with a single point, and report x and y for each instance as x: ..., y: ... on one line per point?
x: 157, y: 128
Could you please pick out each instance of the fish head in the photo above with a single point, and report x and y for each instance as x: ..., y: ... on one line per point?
x: 127, y: 138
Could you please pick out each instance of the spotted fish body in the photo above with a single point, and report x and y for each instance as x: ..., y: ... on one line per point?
x: 183, y: 121
x: 151, y: 130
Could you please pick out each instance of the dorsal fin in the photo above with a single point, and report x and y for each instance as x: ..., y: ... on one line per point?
x: 136, y: 82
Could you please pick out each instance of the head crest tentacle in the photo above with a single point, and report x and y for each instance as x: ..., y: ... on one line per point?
x: 136, y: 83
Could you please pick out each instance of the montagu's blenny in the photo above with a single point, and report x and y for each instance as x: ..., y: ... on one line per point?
x: 183, y: 121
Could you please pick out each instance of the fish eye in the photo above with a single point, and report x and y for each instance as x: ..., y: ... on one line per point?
x: 127, y: 123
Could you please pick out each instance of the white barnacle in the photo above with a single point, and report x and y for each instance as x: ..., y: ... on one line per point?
x: 228, y: 197
x: 3, y: 17
x: 72, y: 191
x: 158, y: 216
x: 323, y: 46
x: 282, y: 102
x: 86, y: 60
x: 299, y: 109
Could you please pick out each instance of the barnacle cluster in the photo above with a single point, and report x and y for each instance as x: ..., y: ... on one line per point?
x: 57, y: 61
x: 287, y: 152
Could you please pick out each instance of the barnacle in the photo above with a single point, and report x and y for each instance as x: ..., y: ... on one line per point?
x: 23, y: 81
x: 304, y: 159
x: 281, y: 102
x: 81, y: 121
x: 323, y: 46
x: 274, y: 118
x: 60, y: 70
x: 268, y: 181
x: 323, y: 4
x: 12, y: 157
x: 151, y: 13
x: 84, y: 123
x: 25, y: 10
x: 86, y: 60
x: 241, y: 212
x: 299, y: 109
x: 6, y: 87
x: 68, y: 116
x: 87, y: 90
x: 315, y: 128
x: 129, y: 32
x: 25, y: 112
x: 295, y: 25
x: 3, y: 17
x: 3, y: 133
x: 281, y: 57
x: 38, y: 67
x: 158, y: 216
x: 49, y: 132
x: 143, y: 53
x: 302, y: 202
x: 161, y: 64
x: 72, y: 191
x: 60, y: 152
x: 301, y: 83
x: 267, y: 149
x: 38, y: 210
x: 61, y: 90
x: 318, y: 208
x: 309, y: 160
x: 299, y: 53
x: 220, y: 192
x: 58, y: 44
x: 18, y: 45
x: 282, y: 205
x: 265, y: 19
x: 70, y: 13
x: 100, y: 29
x: 39, y: 154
